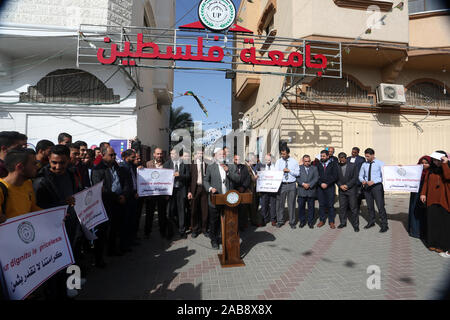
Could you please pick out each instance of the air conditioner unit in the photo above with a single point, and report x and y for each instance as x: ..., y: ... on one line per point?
x: 391, y: 94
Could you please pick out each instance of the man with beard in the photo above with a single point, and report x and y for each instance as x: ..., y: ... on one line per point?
x: 179, y: 194
x: 199, y: 196
x: 328, y: 176
x: 156, y: 202
x: 129, y: 157
x: 55, y: 186
x: 241, y: 182
x: 268, y: 199
x: 217, y: 181
x: 347, y: 183
x: 114, y: 195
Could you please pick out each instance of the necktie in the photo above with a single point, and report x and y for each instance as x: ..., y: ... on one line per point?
x: 286, y: 175
x: 307, y: 170
x: 176, y: 167
x: 324, y: 167
x: 370, y: 172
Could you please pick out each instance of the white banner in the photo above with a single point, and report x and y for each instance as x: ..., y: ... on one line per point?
x: 269, y: 181
x: 33, y: 247
x: 402, y: 178
x: 89, y: 206
x: 155, y: 182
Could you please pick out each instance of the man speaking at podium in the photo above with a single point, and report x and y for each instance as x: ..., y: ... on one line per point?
x: 217, y: 181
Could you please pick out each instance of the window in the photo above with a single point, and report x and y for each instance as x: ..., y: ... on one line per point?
x: 69, y: 86
x: 416, y: 6
x: 345, y: 90
x: 428, y: 94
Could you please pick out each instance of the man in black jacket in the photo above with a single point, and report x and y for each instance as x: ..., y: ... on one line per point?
x: 55, y: 186
x: 241, y: 182
x: 114, y: 194
x: 348, y: 184
x: 130, y: 172
x: 328, y: 176
x: 179, y: 194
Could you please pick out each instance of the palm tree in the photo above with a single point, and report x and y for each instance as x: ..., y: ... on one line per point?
x: 180, y: 120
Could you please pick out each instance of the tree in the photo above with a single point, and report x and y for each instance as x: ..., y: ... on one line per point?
x: 180, y: 120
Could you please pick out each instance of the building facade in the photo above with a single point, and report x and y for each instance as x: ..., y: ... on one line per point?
x: 383, y: 42
x: 44, y: 92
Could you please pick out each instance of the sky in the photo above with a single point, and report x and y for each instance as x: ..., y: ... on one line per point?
x: 211, y: 87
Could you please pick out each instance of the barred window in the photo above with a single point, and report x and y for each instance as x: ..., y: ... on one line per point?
x: 428, y: 94
x: 338, y: 90
x: 69, y: 86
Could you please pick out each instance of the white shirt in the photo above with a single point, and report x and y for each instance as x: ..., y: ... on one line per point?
x: 175, y: 164
x: 223, y: 176
x: 272, y: 167
x: 199, y: 172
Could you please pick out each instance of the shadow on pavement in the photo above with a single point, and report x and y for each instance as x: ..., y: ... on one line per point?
x: 250, y: 240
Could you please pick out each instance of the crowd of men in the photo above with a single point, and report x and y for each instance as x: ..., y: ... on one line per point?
x: 50, y: 175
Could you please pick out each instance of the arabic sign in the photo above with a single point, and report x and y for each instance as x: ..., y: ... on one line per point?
x: 313, y: 133
x: 89, y: 206
x: 155, y: 182
x: 402, y: 178
x: 133, y: 45
x: 33, y: 247
x: 215, y: 54
x: 217, y: 15
x: 269, y: 181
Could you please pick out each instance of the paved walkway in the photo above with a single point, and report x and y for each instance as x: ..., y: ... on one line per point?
x: 280, y: 264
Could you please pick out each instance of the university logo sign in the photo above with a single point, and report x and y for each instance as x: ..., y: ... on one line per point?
x: 217, y: 15
x: 26, y: 232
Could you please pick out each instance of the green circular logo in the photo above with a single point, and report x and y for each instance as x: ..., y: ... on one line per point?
x: 217, y: 15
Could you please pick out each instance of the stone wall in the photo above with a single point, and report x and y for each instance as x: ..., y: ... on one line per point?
x: 68, y: 13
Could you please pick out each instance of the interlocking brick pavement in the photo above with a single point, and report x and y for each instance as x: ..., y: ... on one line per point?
x: 280, y: 264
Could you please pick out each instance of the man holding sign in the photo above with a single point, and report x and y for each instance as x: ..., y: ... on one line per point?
x: 268, y: 197
x: 33, y: 247
x: 153, y: 202
x: 55, y: 186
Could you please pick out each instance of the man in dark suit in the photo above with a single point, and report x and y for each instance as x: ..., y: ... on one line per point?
x: 241, y: 182
x: 348, y: 184
x: 307, y: 190
x: 129, y: 170
x: 268, y: 199
x: 217, y: 181
x: 358, y: 160
x: 178, y: 198
x: 199, y: 196
x: 114, y: 194
x: 328, y: 175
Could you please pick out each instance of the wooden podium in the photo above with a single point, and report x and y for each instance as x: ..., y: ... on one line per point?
x: 231, y: 255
